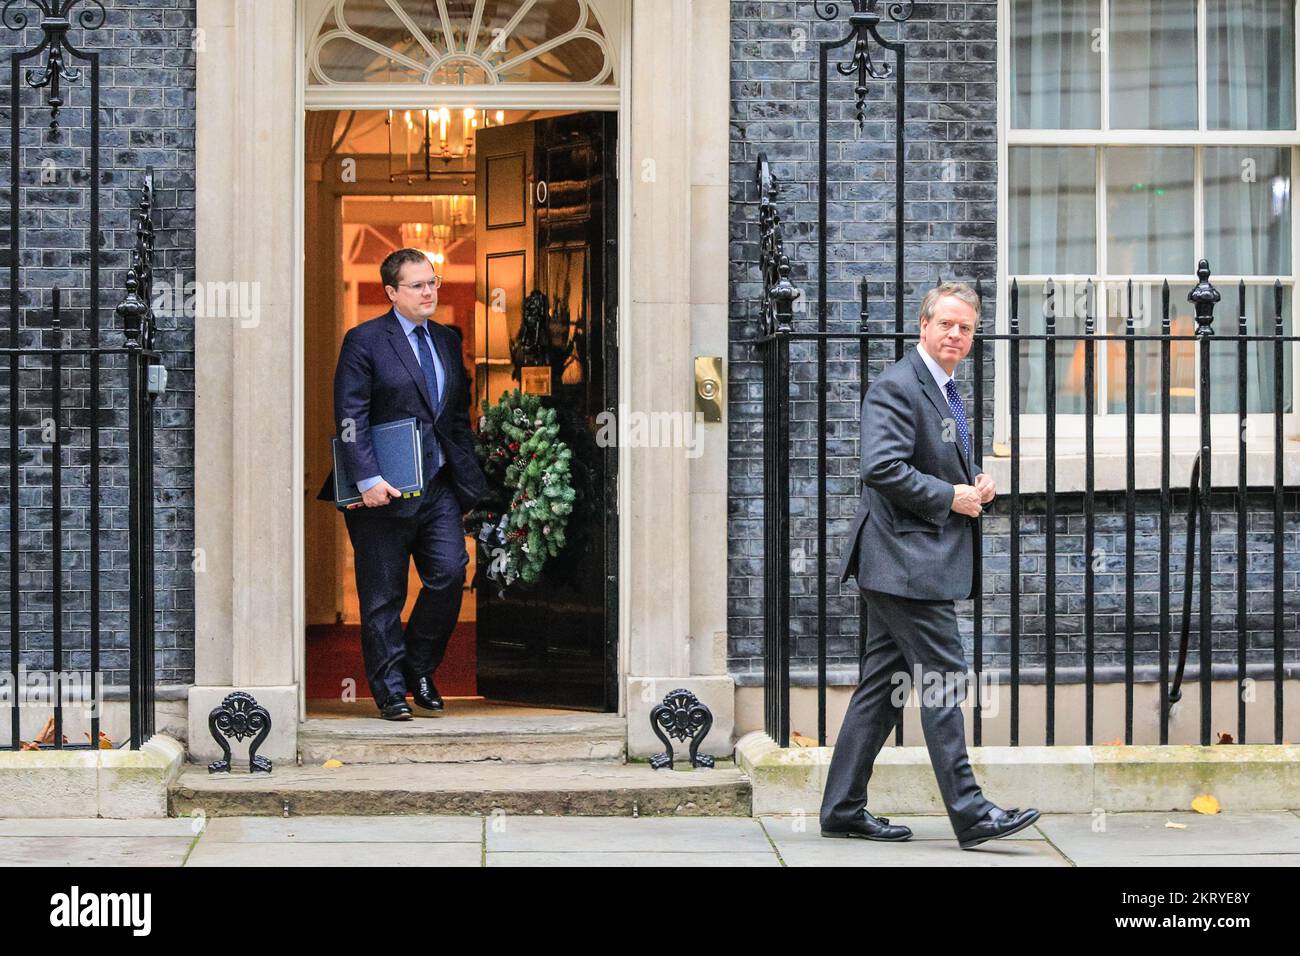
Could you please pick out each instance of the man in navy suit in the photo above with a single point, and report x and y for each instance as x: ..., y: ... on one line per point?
x: 397, y: 366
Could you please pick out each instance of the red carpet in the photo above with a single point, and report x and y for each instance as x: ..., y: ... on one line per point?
x: 334, y: 654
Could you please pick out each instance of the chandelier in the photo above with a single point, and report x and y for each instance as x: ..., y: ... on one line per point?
x: 430, y: 239
x: 450, y: 219
x: 430, y: 137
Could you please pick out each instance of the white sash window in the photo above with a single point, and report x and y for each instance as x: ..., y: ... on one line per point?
x: 1137, y: 138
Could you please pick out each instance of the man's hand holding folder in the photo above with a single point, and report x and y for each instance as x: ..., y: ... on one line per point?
x: 376, y: 496
x: 396, y: 450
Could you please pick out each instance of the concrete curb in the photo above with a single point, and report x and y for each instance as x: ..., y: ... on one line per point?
x: 1054, y: 779
x: 579, y: 788
x: 115, y: 784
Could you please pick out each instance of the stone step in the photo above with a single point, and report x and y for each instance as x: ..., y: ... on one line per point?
x: 579, y: 788
x: 511, y: 739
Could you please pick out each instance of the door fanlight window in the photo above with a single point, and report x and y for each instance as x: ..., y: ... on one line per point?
x: 460, y: 43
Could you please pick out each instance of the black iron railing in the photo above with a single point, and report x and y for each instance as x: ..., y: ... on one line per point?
x: 63, y: 387
x: 777, y: 336
x: 875, y: 57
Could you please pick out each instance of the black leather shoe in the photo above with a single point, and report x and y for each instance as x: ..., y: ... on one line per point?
x: 426, y: 694
x: 867, y: 827
x: 998, y: 823
x: 396, y: 709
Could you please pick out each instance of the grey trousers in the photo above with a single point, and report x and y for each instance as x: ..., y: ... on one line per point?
x: 904, y: 635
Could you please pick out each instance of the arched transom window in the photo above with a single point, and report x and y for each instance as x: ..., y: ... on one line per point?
x: 460, y: 43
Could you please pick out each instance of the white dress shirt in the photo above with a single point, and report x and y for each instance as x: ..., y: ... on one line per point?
x: 941, y: 378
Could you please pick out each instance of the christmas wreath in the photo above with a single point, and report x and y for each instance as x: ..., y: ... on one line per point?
x: 528, y: 467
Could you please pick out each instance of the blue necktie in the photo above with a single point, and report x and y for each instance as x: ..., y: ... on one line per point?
x: 431, y: 380
x: 959, y: 415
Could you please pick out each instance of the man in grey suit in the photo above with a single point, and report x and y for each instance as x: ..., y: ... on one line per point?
x: 912, y: 551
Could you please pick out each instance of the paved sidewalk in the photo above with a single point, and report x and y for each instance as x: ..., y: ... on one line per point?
x: 1118, y: 839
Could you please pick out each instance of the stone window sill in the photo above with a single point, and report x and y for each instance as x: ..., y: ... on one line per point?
x: 1110, y: 466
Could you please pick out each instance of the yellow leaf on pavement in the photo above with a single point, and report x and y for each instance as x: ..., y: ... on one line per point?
x: 1205, y: 803
x: 1175, y: 826
x: 332, y: 764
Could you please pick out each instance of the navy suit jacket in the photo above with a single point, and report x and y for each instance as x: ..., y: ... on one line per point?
x: 906, y: 539
x: 378, y: 380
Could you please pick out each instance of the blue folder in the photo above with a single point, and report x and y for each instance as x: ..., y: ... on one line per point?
x: 400, y: 456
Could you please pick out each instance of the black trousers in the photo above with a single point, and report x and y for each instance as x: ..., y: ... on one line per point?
x: 905, y: 637
x: 384, y: 547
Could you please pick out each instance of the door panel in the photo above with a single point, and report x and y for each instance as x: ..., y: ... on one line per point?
x: 554, y: 642
x: 504, y: 238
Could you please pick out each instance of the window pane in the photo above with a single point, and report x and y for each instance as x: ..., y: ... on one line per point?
x: 1153, y: 64
x: 1149, y: 210
x: 1071, y: 303
x: 1053, y: 227
x: 1055, y: 70
x: 1248, y: 210
x: 1259, y: 355
x: 1251, y: 69
x: 1148, y: 312
x: 1184, y: 368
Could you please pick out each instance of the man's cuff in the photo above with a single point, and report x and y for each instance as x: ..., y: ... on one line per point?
x: 943, y: 496
x: 366, y: 484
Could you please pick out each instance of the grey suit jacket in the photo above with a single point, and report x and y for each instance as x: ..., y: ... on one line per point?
x: 906, y: 539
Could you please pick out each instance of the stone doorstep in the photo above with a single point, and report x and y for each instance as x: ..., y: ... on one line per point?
x: 522, y: 740
x: 580, y: 788
x: 1058, y: 779
x: 117, y: 784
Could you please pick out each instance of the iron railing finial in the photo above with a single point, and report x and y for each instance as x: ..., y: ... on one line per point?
x: 1204, y: 297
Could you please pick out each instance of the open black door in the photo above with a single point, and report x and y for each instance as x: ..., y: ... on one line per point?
x: 554, y: 642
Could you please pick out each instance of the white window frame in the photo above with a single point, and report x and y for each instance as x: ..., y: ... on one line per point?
x: 1110, y: 429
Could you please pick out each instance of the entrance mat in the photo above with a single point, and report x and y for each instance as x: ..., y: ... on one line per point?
x: 334, y: 655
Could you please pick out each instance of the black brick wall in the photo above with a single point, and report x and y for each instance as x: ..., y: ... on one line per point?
x: 147, y: 119
x: 950, y: 231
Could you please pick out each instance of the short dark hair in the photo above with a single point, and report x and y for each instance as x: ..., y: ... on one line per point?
x: 391, y: 270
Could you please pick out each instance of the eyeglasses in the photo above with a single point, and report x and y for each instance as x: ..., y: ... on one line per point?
x: 435, y: 283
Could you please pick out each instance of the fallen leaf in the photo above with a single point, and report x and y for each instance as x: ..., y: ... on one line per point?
x: 799, y: 740
x: 105, y: 743
x: 1205, y: 803
x: 332, y: 764
x: 1225, y: 738
x: 1117, y: 742
x: 46, y: 736
x: 1175, y: 826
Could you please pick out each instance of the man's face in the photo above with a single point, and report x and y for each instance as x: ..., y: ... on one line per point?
x: 949, y: 333
x: 415, y: 296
